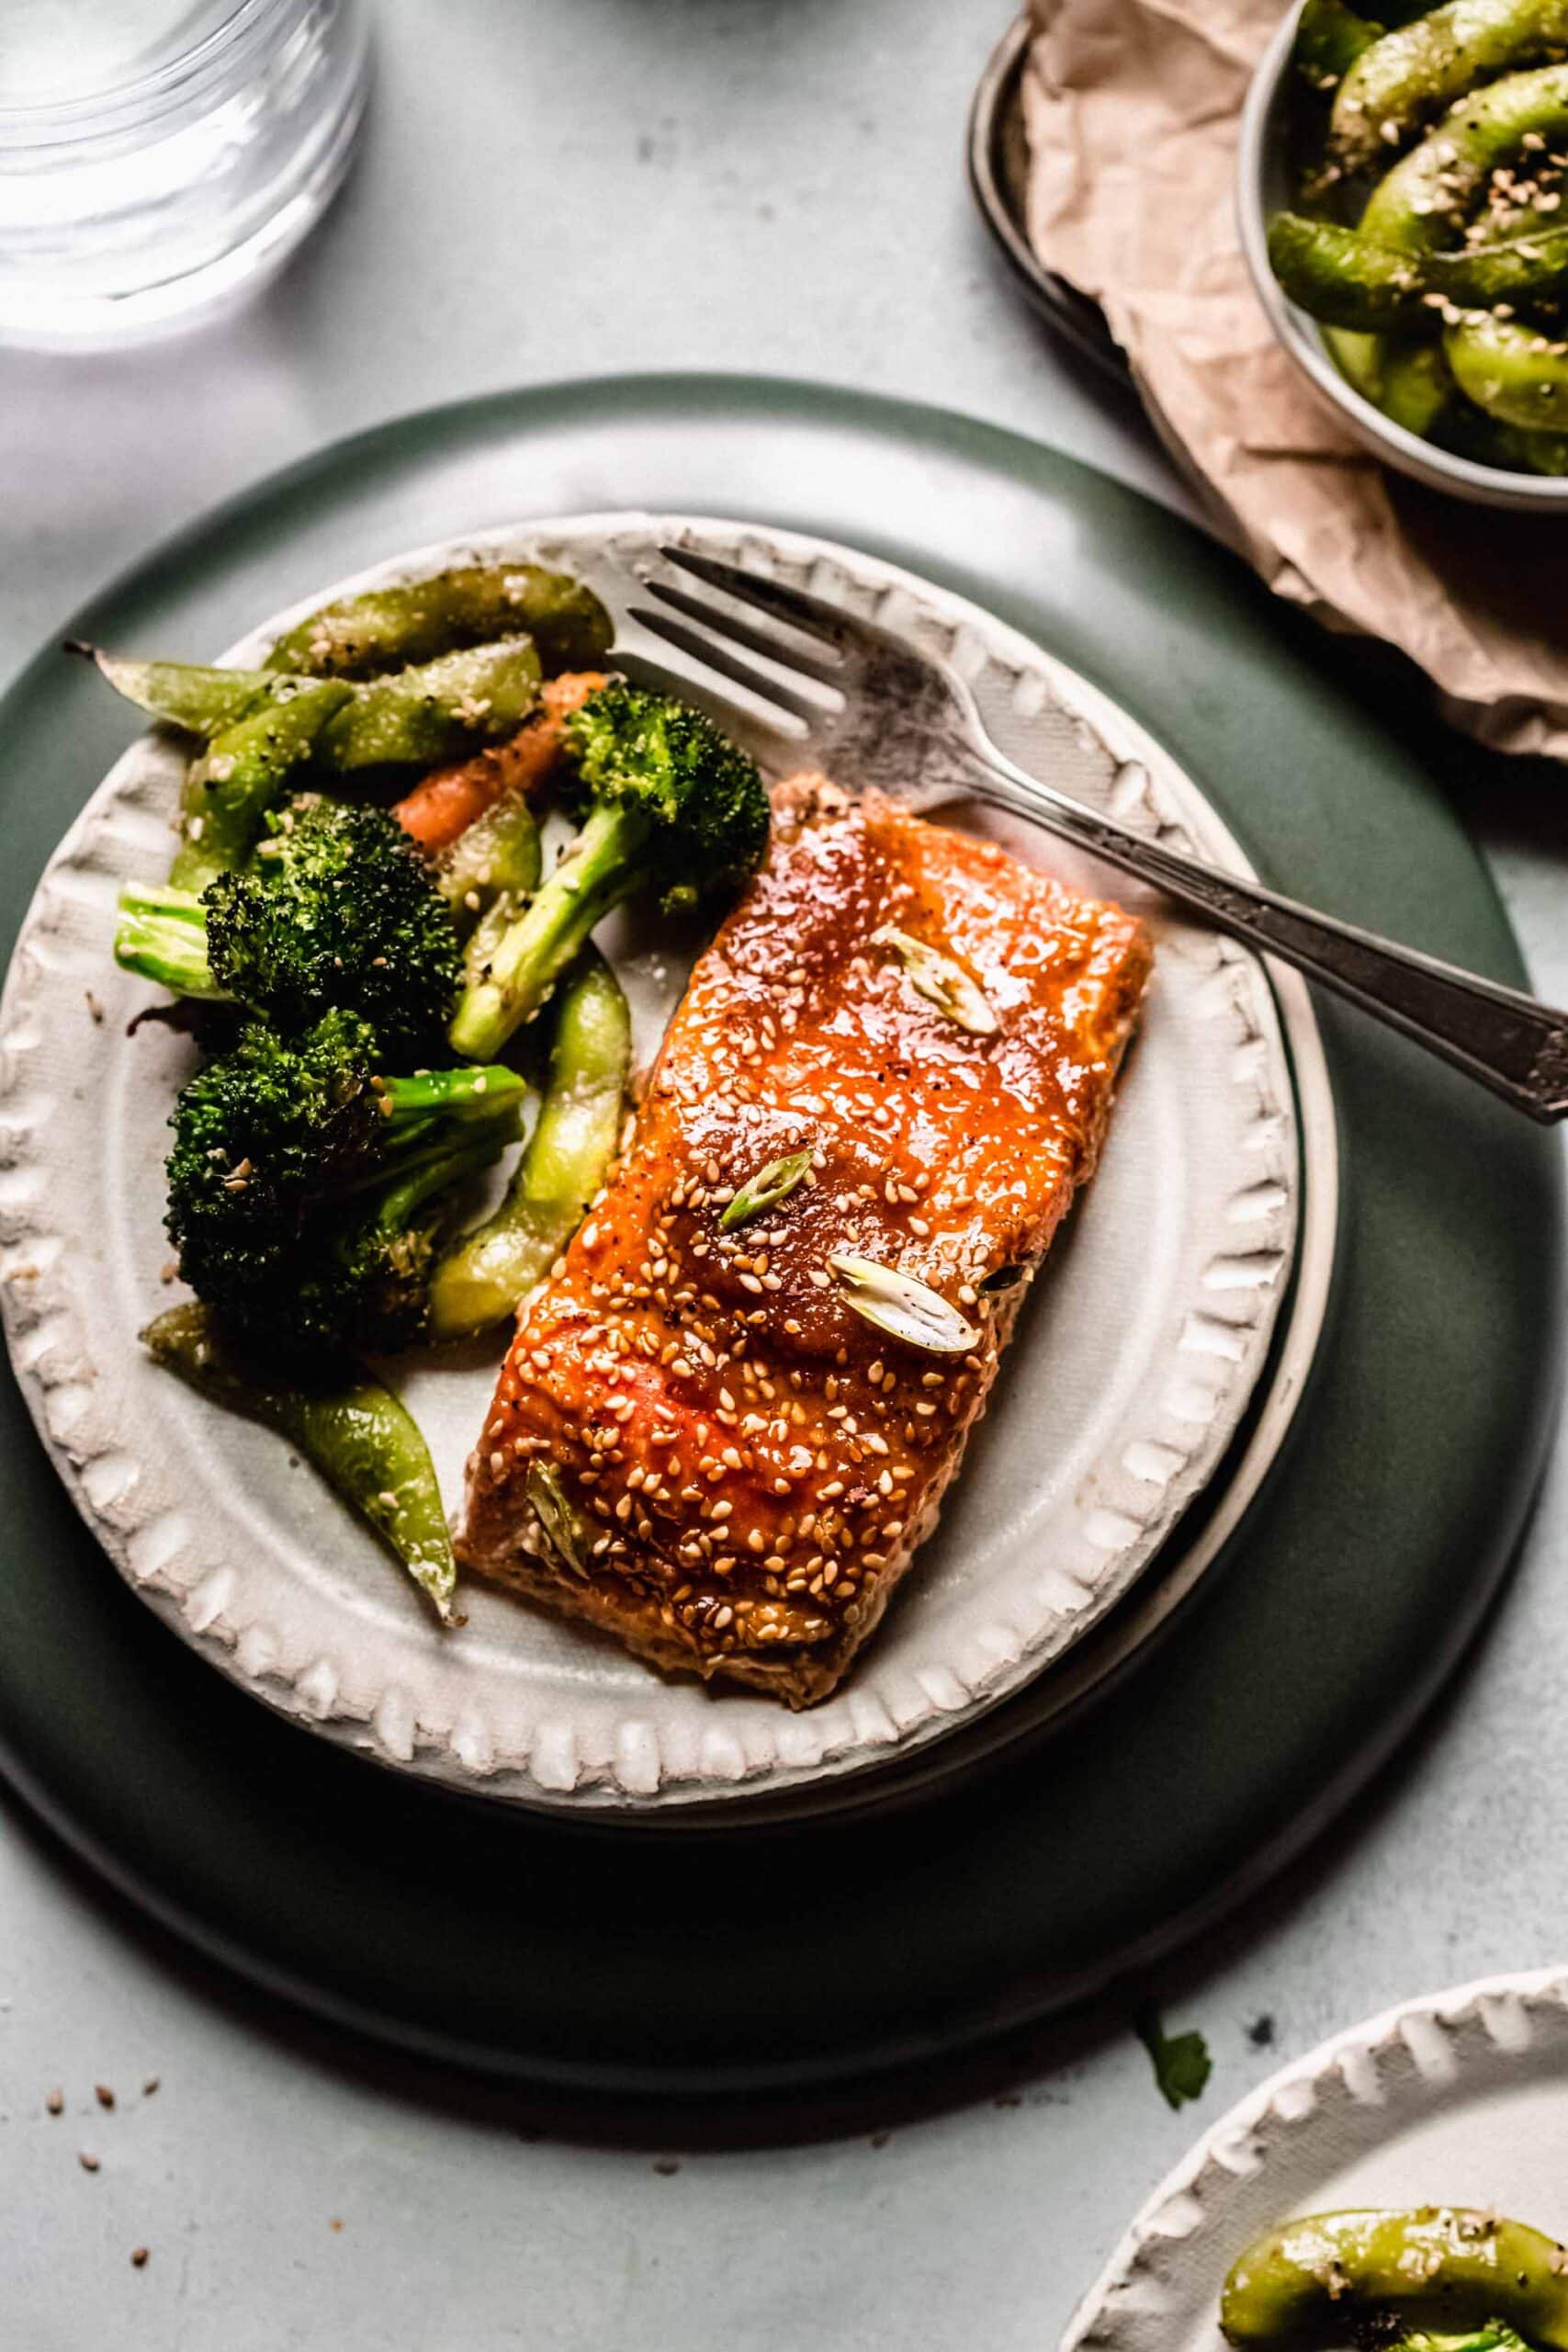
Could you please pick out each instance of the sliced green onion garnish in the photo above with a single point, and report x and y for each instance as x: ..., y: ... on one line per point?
x: 767, y: 1188
x: 941, y: 981
x: 896, y: 1302
x: 556, y: 1517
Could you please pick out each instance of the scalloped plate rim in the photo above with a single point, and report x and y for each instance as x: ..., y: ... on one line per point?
x: 390, y: 1726
x: 1231, y: 2150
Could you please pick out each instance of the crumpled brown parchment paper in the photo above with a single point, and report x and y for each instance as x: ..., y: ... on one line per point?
x: 1130, y: 109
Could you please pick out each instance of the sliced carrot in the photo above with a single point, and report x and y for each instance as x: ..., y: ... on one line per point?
x: 445, y: 803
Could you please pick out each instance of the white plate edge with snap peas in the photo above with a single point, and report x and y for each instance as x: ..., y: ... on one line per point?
x: 1456, y: 2100
x: 312, y: 1618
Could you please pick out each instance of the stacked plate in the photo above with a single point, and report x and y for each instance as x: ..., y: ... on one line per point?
x: 1152, y: 1379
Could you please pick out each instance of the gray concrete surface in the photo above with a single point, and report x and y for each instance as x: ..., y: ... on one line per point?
x: 570, y: 186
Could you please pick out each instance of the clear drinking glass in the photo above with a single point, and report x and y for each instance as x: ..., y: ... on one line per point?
x: 157, y: 156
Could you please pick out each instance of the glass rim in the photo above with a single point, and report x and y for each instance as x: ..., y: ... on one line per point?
x: 83, y: 120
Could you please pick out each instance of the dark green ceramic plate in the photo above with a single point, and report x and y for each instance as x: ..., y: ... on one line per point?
x: 584, y: 1956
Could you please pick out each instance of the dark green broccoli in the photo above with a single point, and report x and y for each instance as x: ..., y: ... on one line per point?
x: 338, y: 908
x: 307, y: 1190
x: 364, y: 1276
x: 672, y: 808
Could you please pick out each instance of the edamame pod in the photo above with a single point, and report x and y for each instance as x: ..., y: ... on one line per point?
x: 1511, y: 371
x: 361, y: 1438
x: 1343, y: 279
x: 1329, y: 38
x: 1516, y: 208
x: 1421, y: 206
x: 497, y: 856
x: 1314, y: 2283
x: 1401, y: 12
x: 387, y: 629
x: 244, y: 772
x: 1487, y: 441
x: 1418, y: 389
x: 185, y: 693
x: 1418, y: 205
x: 1347, y: 281
x: 1528, y: 273
x: 1402, y: 80
x: 1360, y: 359
x: 436, y: 711
x: 1410, y: 382
x: 563, y: 1163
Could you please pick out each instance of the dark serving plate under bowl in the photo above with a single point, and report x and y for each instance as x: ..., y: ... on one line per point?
x: 998, y: 158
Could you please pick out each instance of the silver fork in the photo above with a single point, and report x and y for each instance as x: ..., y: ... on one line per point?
x: 833, y: 691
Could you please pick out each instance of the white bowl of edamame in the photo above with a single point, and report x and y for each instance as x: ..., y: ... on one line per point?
x: 1437, y: 331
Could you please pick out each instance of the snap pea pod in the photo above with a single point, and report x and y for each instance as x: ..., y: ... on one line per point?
x: 498, y: 856
x: 562, y: 1166
x: 1402, y: 80
x: 414, y: 717
x: 185, y: 693
x: 1347, y: 281
x: 387, y: 629
x: 1417, y: 206
x: 1512, y: 372
x: 435, y: 711
x: 1316, y: 2283
x: 360, y: 1437
x: 244, y: 772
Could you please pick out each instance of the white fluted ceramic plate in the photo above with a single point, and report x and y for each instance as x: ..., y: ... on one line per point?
x: 1132, y: 1367
x: 1459, y: 2097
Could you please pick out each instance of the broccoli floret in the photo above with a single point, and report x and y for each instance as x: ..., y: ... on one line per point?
x: 364, y: 1276
x: 304, y: 1186
x: 338, y: 909
x: 672, y: 806
x: 702, y: 796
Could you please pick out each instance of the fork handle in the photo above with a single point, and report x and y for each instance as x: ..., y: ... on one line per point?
x: 1510, y: 1042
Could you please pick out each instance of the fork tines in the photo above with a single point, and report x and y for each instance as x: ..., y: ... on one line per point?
x: 801, y: 685
x: 765, y: 641
x: 707, y: 650
x: 811, y: 614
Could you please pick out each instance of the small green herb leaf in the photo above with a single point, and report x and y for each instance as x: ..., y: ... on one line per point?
x: 939, y: 980
x: 1181, y: 2061
x: 896, y: 1302
x: 556, y: 1517
x: 766, y: 1189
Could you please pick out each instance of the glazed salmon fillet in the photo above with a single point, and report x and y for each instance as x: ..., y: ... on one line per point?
x: 696, y: 1442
